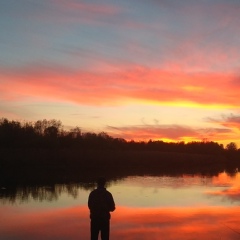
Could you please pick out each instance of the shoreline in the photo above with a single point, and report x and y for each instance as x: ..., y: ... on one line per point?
x: 43, y: 166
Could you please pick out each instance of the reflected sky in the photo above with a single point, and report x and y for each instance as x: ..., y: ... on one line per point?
x: 177, y: 191
x: 127, y: 223
x: 187, y: 207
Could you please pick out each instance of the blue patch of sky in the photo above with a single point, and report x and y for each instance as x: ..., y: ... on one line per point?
x: 27, y: 39
x: 21, y: 32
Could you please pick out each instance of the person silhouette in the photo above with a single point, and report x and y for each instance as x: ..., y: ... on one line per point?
x: 100, y: 204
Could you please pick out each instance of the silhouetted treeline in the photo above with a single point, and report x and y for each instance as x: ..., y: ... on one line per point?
x: 42, y: 152
x: 48, y: 134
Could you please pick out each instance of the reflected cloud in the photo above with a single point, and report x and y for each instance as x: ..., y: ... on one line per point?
x: 199, y: 221
x: 51, y: 193
x: 126, y: 223
x: 70, y: 223
x: 180, y: 223
x: 232, y: 194
x: 224, y: 179
x: 231, y: 184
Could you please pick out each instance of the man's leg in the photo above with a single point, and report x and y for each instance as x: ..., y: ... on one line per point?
x: 105, y: 228
x: 95, y: 228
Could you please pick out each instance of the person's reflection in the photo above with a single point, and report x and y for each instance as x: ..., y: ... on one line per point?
x: 100, y: 203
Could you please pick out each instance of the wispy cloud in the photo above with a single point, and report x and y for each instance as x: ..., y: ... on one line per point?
x: 65, y: 12
x: 230, y: 121
x: 86, y: 7
x: 167, y: 132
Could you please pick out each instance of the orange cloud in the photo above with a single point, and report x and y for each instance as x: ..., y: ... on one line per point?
x: 168, y: 133
x: 146, y: 132
x: 231, y: 121
x: 121, y: 87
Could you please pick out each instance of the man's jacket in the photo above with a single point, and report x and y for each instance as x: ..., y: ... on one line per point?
x: 100, y: 203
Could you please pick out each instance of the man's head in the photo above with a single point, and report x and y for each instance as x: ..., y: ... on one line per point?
x: 101, y: 182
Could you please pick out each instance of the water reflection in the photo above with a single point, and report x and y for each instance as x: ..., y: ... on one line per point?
x: 148, y: 207
x: 127, y: 223
x: 38, y: 193
x: 232, y: 184
x: 13, y: 194
x: 179, y: 223
x: 142, y: 188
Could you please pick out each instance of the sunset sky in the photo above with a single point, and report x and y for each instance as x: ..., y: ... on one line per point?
x: 137, y: 69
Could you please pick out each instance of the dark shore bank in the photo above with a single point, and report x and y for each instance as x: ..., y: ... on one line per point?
x: 42, y: 152
x: 46, y: 166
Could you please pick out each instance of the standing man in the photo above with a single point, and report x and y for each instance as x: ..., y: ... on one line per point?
x: 100, y: 203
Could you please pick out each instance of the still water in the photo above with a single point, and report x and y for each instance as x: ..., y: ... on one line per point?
x: 148, y: 207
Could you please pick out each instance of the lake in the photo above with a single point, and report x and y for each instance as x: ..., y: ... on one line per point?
x: 147, y: 207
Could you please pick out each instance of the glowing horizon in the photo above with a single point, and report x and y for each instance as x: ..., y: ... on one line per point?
x: 137, y: 70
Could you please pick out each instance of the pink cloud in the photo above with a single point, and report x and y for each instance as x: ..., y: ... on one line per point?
x: 62, y: 15
x: 230, y: 121
x: 94, y: 8
x: 168, y: 133
x: 118, y: 87
x: 209, y: 38
x: 146, y: 132
x: 83, y: 12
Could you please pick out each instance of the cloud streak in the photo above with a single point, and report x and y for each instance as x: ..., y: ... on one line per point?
x: 168, y: 133
x: 230, y: 121
x: 137, y: 85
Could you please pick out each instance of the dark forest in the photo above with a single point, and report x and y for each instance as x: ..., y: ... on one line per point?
x: 42, y: 151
